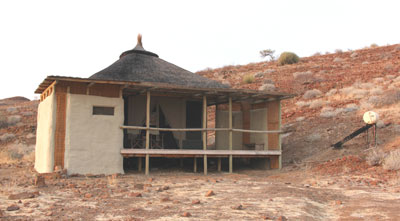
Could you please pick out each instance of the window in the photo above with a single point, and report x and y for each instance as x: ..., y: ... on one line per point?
x: 98, y: 110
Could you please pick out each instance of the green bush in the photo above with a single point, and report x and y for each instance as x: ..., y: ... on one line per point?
x: 248, y: 79
x: 288, y: 58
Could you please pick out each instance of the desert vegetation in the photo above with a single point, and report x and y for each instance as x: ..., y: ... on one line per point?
x: 288, y: 58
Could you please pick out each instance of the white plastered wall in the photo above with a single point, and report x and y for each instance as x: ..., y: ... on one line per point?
x: 46, y: 128
x: 174, y: 110
x: 258, y: 121
x: 93, y: 142
x: 222, y: 137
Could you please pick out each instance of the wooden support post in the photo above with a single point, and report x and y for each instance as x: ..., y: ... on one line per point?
x: 195, y: 165
x: 219, y: 164
x: 139, y: 164
x: 147, y: 131
x: 205, y: 132
x: 230, y: 135
x: 279, y: 135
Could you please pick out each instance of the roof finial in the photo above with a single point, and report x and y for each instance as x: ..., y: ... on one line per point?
x: 139, y: 40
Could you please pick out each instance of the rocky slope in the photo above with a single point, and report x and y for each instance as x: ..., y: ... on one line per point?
x: 332, y: 93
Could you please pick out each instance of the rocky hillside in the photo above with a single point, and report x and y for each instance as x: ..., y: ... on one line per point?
x: 332, y: 93
x: 17, y: 129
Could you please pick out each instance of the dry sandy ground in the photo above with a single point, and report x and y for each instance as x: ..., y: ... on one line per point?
x: 300, y: 194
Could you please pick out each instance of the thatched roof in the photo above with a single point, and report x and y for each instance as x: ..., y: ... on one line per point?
x: 139, y: 65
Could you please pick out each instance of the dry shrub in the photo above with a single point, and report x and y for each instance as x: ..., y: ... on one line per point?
x: 299, y: 75
x: 317, y: 103
x: 338, y: 60
x: 288, y: 58
x: 388, y: 67
x: 375, y: 157
x: 28, y: 113
x: 313, y: 137
x: 328, y: 112
x: 354, y: 54
x: 259, y: 75
x: 386, y: 56
x: 351, y: 107
x: 269, y: 71
x: 389, y: 97
x: 312, y: 94
x: 378, y: 80
x: 376, y: 91
x: 6, y: 137
x: 380, y: 124
x: 17, y: 151
x: 390, y: 76
x: 14, y: 119
x: 305, y: 77
x: 392, y: 160
x: 354, y: 92
x: 394, y: 86
x: 11, y: 109
x: 339, y: 51
x: 267, y: 87
x: 364, y: 85
x: 373, y: 45
x: 331, y: 92
x: 248, y: 79
x: 302, y: 103
x: 3, y: 122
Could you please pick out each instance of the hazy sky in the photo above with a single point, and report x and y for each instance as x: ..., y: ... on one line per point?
x: 79, y: 38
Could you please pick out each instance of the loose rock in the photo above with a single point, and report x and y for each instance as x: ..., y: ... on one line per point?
x: 186, y: 214
x: 210, y: 193
x: 165, y: 199
x: 12, y: 208
x: 135, y: 194
x: 238, y: 207
x: 196, y: 202
x: 281, y: 218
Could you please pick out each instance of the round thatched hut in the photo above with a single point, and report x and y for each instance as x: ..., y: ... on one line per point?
x: 142, y: 106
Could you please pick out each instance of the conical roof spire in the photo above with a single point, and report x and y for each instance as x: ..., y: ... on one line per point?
x: 138, y: 49
x: 139, y: 39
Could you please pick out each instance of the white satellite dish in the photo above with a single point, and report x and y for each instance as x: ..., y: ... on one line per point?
x: 370, y: 117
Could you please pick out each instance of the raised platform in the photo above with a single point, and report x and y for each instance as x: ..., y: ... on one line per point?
x: 181, y: 153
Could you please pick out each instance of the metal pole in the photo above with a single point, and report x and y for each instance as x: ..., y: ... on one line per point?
x: 375, y: 134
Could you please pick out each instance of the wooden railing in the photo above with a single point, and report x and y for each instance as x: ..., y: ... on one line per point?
x: 199, y: 129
